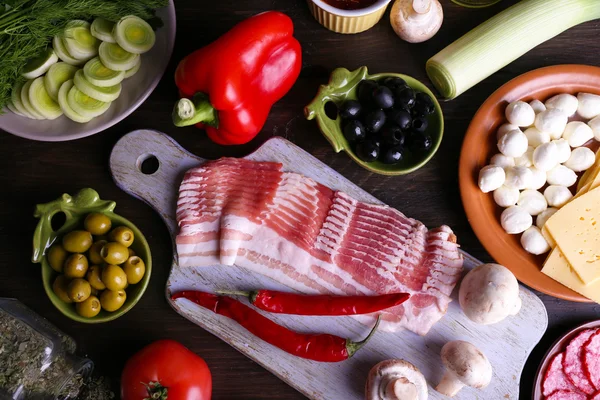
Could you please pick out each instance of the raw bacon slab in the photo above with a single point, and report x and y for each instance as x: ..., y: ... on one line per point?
x: 573, y: 362
x: 555, y: 379
x: 591, y: 360
x: 566, y: 395
x: 596, y: 396
x: 293, y: 229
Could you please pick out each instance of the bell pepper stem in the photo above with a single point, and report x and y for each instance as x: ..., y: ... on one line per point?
x: 353, y: 347
x: 195, y: 110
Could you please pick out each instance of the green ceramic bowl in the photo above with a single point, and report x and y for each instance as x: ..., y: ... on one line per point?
x: 342, y: 86
x: 75, y: 209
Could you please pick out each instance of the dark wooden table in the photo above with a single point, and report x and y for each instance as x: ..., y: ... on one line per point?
x: 35, y: 172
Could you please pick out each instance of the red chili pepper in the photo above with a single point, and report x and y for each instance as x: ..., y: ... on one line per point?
x: 320, y: 347
x: 299, y: 304
x: 234, y: 81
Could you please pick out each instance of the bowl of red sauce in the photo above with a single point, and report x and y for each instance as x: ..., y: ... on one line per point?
x: 348, y: 16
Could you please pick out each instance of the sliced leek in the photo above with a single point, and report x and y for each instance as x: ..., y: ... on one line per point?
x: 101, y: 29
x: 27, y: 104
x: 84, y: 105
x: 39, y: 65
x: 131, y: 72
x: 116, y: 58
x: 41, y: 101
x: 58, y: 74
x: 97, y: 74
x: 134, y: 34
x: 64, y: 104
x: 15, y: 99
x: 79, y: 41
x: 61, y: 51
x: 502, y: 39
x: 105, y: 94
x: 13, y: 109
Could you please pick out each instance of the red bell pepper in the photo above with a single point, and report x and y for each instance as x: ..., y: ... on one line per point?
x: 230, y: 85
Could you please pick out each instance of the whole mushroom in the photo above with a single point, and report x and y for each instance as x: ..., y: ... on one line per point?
x: 395, y: 380
x: 489, y: 293
x: 416, y: 20
x: 465, y: 365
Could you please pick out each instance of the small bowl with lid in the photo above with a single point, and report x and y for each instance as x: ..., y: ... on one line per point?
x: 348, y: 16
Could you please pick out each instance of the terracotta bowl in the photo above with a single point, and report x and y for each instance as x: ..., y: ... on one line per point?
x: 480, y: 144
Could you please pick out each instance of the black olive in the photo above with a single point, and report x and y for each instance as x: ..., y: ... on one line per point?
x: 402, y: 118
x: 419, y: 110
x: 420, y: 141
x: 365, y: 91
x: 374, y: 121
x: 383, y: 97
x: 367, y: 150
x: 393, y: 155
x: 420, y: 124
x: 405, y: 97
x: 350, y: 109
x: 392, y: 135
x: 424, y: 102
x: 377, y: 139
x: 354, y: 131
x: 394, y: 83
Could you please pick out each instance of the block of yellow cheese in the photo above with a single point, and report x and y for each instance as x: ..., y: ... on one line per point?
x: 557, y: 268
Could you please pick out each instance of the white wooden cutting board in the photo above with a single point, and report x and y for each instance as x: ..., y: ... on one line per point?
x: 506, y: 344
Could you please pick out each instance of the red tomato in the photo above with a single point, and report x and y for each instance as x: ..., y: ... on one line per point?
x: 166, y: 366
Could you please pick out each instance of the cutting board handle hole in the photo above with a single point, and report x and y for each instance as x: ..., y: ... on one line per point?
x: 148, y: 164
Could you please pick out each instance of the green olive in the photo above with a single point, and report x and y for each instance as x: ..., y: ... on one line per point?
x: 79, y: 290
x: 94, y: 254
x: 94, y: 292
x: 135, y: 269
x: 114, y: 253
x: 60, y: 288
x: 56, y: 257
x: 77, y: 241
x: 97, y: 223
x: 123, y: 235
x: 76, y: 265
x: 94, y: 277
x: 88, y: 308
x: 112, y: 300
x: 131, y: 252
x: 114, y: 277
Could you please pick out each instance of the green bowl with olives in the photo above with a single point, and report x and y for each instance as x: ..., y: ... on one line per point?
x: 384, y: 132
x: 97, y: 265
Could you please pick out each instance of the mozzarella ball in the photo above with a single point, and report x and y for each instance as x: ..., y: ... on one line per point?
x: 491, y: 177
x: 544, y: 156
x: 552, y: 121
x: 565, y: 102
x: 581, y: 159
x: 563, y: 150
x: 513, y: 144
x: 505, y: 196
x: 515, y: 220
x: 504, y: 129
x: 561, y: 175
x: 535, y: 137
x: 594, y: 123
x: 502, y: 161
x: 577, y: 133
x: 557, y: 196
x: 520, y: 113
x: 526, y: 160
x: 532, y: 201
x: 538, y: 178
x: 518, y: 177
x: 537, y: 106
x: 534, y: 242
x: 589, y: 105
x: 545, y: 215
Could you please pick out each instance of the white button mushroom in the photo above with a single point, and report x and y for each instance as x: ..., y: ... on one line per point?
x: 465, y: 365
x: 577, y: 133
x: 594, y: 123
x: 534, y: 242
x: 526, y: 160
x: 535, y: 137
x: 581, y: 159
x: 541, y: 219
x: 505, y: 196
x: 589, y: 105
x: 532, y: 201
x: 552, y: 121
x: 489, y: 293
x: 563, y: 150
x: 513, y: 144
x: 565, y: 102
x: 395, y: 380
x: 504, y: 129
x: 538, y: 179
x: 557, y: 196
x: 545, y: 155
x: 561, y: 175
x: 520, y: 113
x: 515, y: 219
x: 502, y: 161
x: 517, y: 177
x: 416, y: 21
x: 537, y: 106
x: 491, y: 177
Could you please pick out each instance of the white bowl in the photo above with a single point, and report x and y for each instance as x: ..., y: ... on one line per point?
x: 135, y: 90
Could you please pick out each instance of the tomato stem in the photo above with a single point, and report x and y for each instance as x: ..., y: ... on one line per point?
x: 156, y: 391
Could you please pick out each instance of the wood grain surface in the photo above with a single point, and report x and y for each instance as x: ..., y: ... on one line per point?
x: 36, y: 172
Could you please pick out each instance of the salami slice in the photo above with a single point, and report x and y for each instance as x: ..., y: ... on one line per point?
x: 566, y: 395
x: 555, y: 379
x: 573, y: 362
x: 591, y: 360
